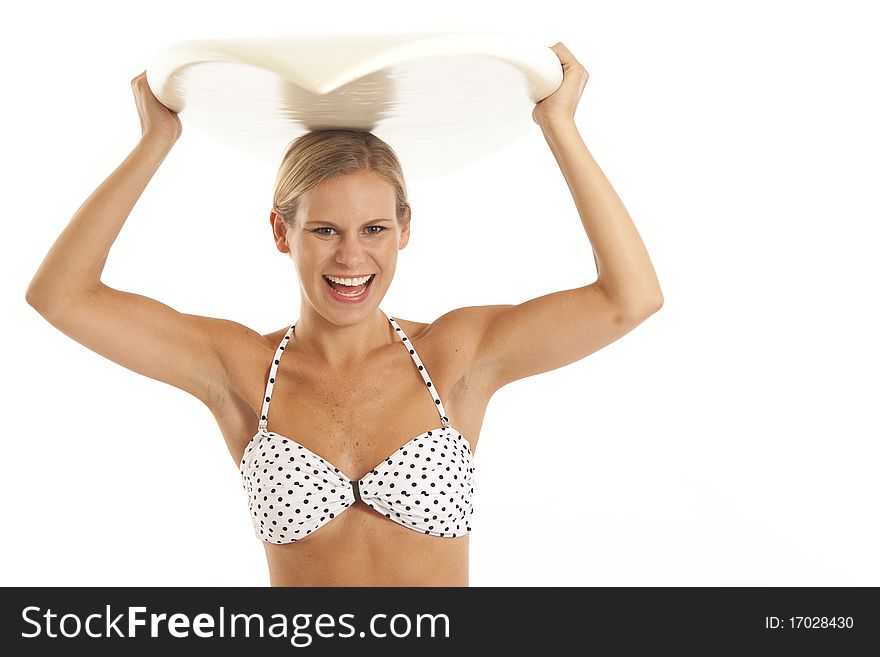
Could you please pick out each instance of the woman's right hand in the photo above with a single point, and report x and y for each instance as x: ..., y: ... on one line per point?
x: 156, y: 119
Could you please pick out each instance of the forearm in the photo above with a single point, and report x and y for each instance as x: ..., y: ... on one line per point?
x: 76, y: 260
x: 623, y: 266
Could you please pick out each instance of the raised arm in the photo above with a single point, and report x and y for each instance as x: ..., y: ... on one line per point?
x: 515, y: 341
x: 134, y: 331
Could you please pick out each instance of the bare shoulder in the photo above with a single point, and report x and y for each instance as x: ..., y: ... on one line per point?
x: 457, y: 335
x: 463, y: 327
x: 228, y: 334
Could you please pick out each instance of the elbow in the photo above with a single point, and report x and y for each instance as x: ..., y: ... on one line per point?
x: 51, y: 298
x: 40, y: 300
x: 658, y: 302
x: 655, y: 302
x: 647, y: 310
x: 37, y: 304
x: 31, y: 297
x: 37, y: 290
x: 647, y: 307
x: 636, y: 306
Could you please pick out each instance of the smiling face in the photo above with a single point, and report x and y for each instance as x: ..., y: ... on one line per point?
x: 345, y: 227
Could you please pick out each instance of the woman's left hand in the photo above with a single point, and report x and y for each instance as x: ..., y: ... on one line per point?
x: 562, y: 103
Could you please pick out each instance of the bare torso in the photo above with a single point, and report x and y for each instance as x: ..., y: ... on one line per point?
x: 355, y: 421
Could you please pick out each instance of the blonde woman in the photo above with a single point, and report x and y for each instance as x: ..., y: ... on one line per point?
x: 363, y: 472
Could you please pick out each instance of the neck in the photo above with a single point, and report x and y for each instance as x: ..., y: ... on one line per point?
x: 341, y: 347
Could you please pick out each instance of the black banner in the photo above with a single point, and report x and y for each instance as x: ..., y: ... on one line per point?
x: 419, y: 621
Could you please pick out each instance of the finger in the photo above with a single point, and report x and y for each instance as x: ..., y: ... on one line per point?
x: 559, y: 55
x: 564, y: 53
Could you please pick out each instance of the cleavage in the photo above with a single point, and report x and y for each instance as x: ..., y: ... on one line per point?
x: 353, y: 426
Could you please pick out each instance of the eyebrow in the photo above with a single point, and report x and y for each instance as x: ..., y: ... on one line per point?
x: 330, y: 223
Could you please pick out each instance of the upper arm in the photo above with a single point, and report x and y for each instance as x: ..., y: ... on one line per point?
x: 545, y: 333
x: 147, y: 337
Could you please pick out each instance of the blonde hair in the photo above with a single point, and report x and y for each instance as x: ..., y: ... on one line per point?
x: 321, y: 154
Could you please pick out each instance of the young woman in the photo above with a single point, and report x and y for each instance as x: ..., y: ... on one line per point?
x: 363, y: 472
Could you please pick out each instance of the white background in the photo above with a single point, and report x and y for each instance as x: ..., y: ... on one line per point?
x: 731, y: 439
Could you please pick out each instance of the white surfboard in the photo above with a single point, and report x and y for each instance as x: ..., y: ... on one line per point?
x: 440, y: 100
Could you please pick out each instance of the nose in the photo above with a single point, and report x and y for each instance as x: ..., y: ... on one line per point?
x: 351, y: 251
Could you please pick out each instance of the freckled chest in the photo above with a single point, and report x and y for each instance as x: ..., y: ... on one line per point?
x: 356, y: 420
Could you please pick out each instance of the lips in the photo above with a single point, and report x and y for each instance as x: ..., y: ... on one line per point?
x: 339, y: 295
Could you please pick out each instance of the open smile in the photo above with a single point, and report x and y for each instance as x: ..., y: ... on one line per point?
x: 341, y: 290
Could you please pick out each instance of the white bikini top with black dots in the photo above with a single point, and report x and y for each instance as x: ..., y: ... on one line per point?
x: 426, y: 485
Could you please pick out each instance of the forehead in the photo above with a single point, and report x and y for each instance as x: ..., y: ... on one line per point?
x: 350, y: 196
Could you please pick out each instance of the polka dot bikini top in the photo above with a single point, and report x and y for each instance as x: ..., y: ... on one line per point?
x: 426, y: 485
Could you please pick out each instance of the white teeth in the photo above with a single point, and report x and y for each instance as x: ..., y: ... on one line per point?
x: 352, y: 282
